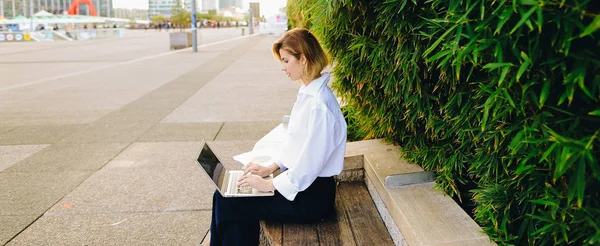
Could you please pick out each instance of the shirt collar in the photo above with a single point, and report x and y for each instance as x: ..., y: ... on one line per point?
x: 315, y: 85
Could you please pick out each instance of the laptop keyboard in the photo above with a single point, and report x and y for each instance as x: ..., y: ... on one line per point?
x: 233, y: 184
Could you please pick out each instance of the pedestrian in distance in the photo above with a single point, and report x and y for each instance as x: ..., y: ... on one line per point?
x: 312, y: 153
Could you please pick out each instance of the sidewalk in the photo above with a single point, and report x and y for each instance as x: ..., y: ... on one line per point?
x: 112, y: 160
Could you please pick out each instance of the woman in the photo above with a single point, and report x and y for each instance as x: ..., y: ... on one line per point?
x: 313, y: 152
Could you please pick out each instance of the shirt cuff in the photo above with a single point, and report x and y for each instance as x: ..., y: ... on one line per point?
x: 280, y: 165
x: 285, y: 187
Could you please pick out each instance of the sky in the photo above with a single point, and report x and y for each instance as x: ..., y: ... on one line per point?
x: 267, y: 7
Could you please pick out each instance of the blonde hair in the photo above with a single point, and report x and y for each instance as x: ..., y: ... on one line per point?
x: 298, y: 42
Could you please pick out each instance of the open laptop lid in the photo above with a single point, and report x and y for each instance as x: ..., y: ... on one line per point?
x: 213, y: 167
x: 217, y: 172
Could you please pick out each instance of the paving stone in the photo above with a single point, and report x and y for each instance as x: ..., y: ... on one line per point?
x: 34, y: 193
x: 167, y: 132
x: 109, y: 133
x: 72, y: 157
x: 252, y: 130
x: 225, y: 150
x: 12, y: 225
x: 157, y: 155
x: 139, y: 189
x: 45, y: 134
x: 5, y: 129
x: 169, y: 228
x: 9, y: 155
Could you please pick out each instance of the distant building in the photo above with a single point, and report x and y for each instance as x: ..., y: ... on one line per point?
x: 255, y: 10
x: 223, y: 4
x: 135, y: 14
x: 103, y: 7
x: 188, y: 5
x: 160, y: 7
x: 164, y: 7
x: 210, y: 5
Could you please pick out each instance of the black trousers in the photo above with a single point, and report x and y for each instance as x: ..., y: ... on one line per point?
x: 235, y: 221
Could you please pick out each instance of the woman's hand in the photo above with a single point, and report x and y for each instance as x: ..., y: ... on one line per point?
x: 260, y: 170
x: 256, y: 182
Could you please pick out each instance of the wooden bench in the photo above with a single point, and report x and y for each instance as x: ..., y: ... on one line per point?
x: 401, y: 212
x: 356, y: 222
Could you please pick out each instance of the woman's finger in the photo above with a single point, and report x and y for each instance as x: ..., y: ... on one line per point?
x: 249, y: 169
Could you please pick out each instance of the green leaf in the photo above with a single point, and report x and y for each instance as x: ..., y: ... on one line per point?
x: 493, y: 66
x: 525, y: 57
x: 439, y: 55
x: 595, y: 112
x: 567, y: 158
x: 439, y: 40
x: 503, y: 75
x: 528, y: 2
x: 509, y: 99
x: 540, y: 20
x: 523, y: 19
x: 521, y: 70
x: 548, y: 151
x: 486, y: 111
x: 592, y: 27
x: 503, y: 19
x: 544, y: 202
x: 580, y: 183
x: 516, y: 141
x: 544, y: 94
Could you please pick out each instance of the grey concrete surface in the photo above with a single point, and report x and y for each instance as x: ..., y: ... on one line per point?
x: 251, y: 130
x: 131, y: 189
x: 40, y: 134
x: 99, y: 139
x: 34, y: 193
x: 173, y: 132
x: 10, y: 155
x: 69, y: 157
x: 224, y: 150
x: 172, y: 228
x: 12, y: 225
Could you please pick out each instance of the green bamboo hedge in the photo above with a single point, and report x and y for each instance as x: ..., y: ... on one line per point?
x: 504, y: 94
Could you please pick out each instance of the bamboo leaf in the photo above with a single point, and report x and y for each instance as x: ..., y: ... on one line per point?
x: 595, y: 112
x: 509, y: 99
x: 580, y: 183
x: 544, y: 202
x: 523, y: 19
x: 504, y: 17
x: 439, y: 55
x: 528, y: 2
x: 523, y: 66
x: 516, y: 141
x: 493, y: 66
x: 439, y: 40
x: 591, y: 28
x: 547, y: 152
x: 544, y: 94
x: 503, y: 75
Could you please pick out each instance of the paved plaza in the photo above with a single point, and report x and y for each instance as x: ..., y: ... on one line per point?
x: 98, y: 139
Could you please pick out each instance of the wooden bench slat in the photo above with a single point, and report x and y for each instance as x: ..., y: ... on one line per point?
x: 300, y: 234
x: 336, y: 231
x: 271, y: 233
x: 366, y: 224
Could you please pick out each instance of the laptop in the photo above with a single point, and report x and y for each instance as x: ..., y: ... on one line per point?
x: 224, y: 179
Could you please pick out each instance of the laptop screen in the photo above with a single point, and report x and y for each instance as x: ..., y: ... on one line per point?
x: 212, y: 166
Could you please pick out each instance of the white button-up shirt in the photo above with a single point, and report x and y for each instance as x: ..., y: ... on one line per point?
x: 315, y: 142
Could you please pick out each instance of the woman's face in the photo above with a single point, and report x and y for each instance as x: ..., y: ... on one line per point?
x: 291, y: 66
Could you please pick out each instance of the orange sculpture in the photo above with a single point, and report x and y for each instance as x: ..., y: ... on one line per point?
x: 74, y: 9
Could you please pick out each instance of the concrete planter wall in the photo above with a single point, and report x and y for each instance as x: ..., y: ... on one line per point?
x: 180, y: 40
